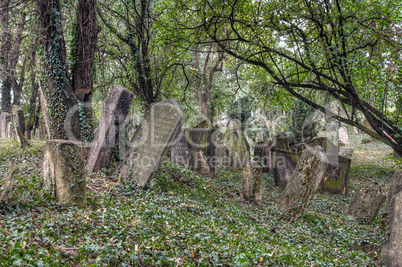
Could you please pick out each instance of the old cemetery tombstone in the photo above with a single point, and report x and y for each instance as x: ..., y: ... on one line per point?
x: 268, y: 156
x: 158, y: 130
x: 366, y: 203
x: 236, y: 144
x: 304, y: 181
x: 9, y: 132
x: 180, y: 151
x: 103, y: 145
x: 336, y: 177
x: 258, y: 162
x: 221, y: 159
x: 17, y: 119
x: 201, y: 140
x: 8, y: 183
x: 285, y: 155
x: 5, y: 118
x: 396, y: 187
x: 63, y: 171
x: 391, y: 252
x: 343, y: 134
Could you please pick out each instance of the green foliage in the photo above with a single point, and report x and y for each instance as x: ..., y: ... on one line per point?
x: 240, y: 109
x: 181, y: 219
x: 304, y: 125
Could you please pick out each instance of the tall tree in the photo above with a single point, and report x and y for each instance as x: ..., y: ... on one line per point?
x: 4, y: 56
x: 61, y: 89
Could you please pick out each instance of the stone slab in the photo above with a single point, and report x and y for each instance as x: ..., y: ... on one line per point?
x: 159, y: 128
x: 106, y: 137
x: 5, y: 118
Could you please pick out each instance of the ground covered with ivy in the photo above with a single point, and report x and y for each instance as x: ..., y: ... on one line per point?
x: 182, y: 219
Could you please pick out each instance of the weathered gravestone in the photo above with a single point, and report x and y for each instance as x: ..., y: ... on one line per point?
x: 17, y: 119
x: 180, y: 151
x: 343, y: 134
x: 236, y: 143
x: 159, y: 128
x: 396, y: 187
x: 22, y: 141
x: 8, y: 183
x: 104, y: 143
x: 366, y: 203
x: 268, y: 156
x: 63, y: 171
x: 5, y: 118
x: 285, y: 155
x: 9, y: 132
x: 304, y: 181
x: 202, y: 145
x: 221, y: 157
x: 391, y: 253
x: 336, y: 177
x: 258, y: 163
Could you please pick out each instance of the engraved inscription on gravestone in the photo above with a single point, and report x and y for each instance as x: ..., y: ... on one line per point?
x: 160, y: 127
x: 181, y: 151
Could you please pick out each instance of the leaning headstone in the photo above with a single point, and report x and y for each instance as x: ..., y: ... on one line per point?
x: 391, y: 253
x: 63, y: 171
x: 104, y: 143
x: 7, y: 187
x: 180, y: 151
x: 202, y: 144
x: 160, y: 127
x: 396, y: 187
x: 285, y: 155
x: 343, y: 134
x: 17, y: 119
x: 304, y: 181
x: 5, y: 118
x: 366, y: 203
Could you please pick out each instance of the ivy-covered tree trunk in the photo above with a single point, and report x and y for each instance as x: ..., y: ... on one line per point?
x: 4, y: 56
x: 83, y: 52
x: 68, y: 117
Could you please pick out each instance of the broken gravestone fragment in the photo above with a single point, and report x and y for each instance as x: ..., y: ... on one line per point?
x: 366, y: 203
x: 391, y: 252
x: 8, y: 184
x: 396, y: 187
x: 63, y: 171
x: 104, y: 143
x: 304, y: 181
x: 159, y: 128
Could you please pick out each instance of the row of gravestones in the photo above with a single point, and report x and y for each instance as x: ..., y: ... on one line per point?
x: 64, y: 161
x: 64, y: 166
x: 13, y: 126
x: 305, y: 181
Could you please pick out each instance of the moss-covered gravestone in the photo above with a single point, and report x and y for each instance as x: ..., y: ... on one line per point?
x: 336, y: 178
x: 17, y: 119
x: 63, y: 172
x: 304, y: 181
x: 236, y: 143
x: 5, y: 118
x: 158, y: 130
x: 106, y: 137
x: 285, y: 155
x: 391, y: 253
x: 7, y: 185
x: 366, y: 203
x: 201, y: 141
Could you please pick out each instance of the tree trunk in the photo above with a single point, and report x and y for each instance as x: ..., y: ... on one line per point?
x: 4, y: 57
x: 87, y: 30
x: 15, y: 55
x: 62, y: 99
x: 34, y: 95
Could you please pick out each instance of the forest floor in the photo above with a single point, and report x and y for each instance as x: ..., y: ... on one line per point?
x: 183, y: 219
